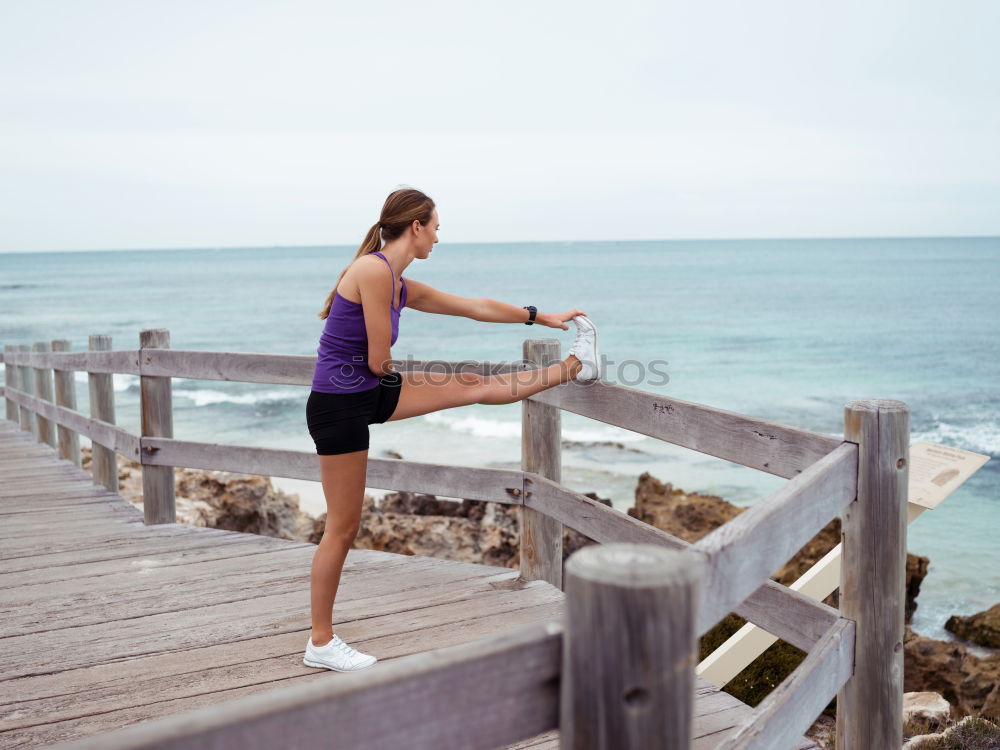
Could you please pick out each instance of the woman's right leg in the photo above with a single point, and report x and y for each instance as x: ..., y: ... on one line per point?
x: 343, y: 477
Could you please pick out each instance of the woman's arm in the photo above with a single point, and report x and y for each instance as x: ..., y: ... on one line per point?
x: 424, y: 297
x: 374, y: 283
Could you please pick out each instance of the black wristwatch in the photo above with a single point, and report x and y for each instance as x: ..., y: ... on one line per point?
x: 532, y: 311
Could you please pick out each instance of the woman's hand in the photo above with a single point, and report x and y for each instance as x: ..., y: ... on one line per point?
x: 557, y: 320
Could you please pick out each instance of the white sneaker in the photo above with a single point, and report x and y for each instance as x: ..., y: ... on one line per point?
x: 585, y: 348
x: 336, y: 655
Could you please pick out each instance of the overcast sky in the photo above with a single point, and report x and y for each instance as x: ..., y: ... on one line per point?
x: 139, y: 124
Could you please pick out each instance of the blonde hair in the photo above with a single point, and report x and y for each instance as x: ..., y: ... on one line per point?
x: 400, y: 210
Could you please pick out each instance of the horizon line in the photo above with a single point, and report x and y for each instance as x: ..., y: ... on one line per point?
x: 520, y: 242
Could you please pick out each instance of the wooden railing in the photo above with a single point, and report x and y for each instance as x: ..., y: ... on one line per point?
x: 641, y: 643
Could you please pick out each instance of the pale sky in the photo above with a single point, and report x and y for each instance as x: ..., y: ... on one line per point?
x: 140, y: 124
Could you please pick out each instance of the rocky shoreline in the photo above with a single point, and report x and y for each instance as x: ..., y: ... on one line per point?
x: 486, y: 532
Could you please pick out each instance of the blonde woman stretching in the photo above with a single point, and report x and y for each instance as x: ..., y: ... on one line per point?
x: 354, y: 385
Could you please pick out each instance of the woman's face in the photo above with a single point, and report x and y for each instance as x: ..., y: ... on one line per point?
x: 428, y: 236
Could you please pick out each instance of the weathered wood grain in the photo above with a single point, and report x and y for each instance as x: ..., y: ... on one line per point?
x: 758, y: 443
x: 43, y: 391
x: 27, y: 385
x: 102, y: 361
x: 792, y: 707
x: 10, y: 379
x: 629, y: 649
x: 285, y: 369
x: 873, y: 573
x: 103, y: 464
x: 105, y: 435
x: 791, y: 616
x: 469, y: 482
x: 541, y: 535
x: 744, y: 552
x: 69, y: 440
x: 156, y: 407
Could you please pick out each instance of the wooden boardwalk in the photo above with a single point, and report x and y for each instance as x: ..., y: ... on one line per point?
x: 108, y: 622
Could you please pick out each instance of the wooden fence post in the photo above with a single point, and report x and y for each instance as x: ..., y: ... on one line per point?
x: 103, y: 462
x: 26, y: 382
x: 43, y: 389
x: 541, y: 537
x: 158, y: 501
x: 69, y: 441
x: 11, y: 380
x: 629, y: 648
x: 872, y: 577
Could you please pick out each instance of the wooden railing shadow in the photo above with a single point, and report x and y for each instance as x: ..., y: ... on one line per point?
x: 618, y: 669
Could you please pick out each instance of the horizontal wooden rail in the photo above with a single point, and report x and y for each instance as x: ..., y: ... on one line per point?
x: 792, y: 616
x: 496, y: 691
x: 277, y: 369
x: 757, y: 443
x: 745, y: 551
x: 791, y: 708
x: 245, y: 367
x: 126, y: 362
x: 468, y: 482
x: 103, y: 433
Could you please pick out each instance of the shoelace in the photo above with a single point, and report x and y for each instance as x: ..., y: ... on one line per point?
x: 346, y: 649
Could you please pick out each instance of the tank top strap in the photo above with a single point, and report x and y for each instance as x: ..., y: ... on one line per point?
x: 390, y: 269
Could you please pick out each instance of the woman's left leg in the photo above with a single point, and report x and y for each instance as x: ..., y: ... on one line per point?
x: 429, y: 392
x: 517, y: 386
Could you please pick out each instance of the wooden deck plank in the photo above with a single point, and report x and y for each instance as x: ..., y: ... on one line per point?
x: 98, y: 539
x: 161, y: 591
x: 168, y: 557
x: 79, y: 499
x: 88, y: 512
x: 164, y: 536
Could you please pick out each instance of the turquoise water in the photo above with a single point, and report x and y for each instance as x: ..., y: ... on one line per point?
x: 788, y: 330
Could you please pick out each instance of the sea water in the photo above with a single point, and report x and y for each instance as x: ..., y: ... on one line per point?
x: 786, y: 330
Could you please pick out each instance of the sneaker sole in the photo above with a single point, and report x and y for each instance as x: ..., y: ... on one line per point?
x: 311, y: 663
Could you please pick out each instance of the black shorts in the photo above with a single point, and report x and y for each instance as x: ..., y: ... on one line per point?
x: 338, y: 422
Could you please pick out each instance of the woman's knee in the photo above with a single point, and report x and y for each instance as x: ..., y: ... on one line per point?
x: 340, y: 533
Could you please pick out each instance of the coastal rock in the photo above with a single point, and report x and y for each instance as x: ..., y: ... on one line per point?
x: 928, y: 709
x: 222, y: 500
x: 982, y: 628
x: 686, y: 516
x: 475, y: 531
x: 924, y: 742
x: 571, y: 444
x: 823, y: 732
x: 916, y: 572
x: 969, y: 683
x: 972, y: 732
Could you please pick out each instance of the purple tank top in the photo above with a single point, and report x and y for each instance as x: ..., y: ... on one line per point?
x: 342, y: 356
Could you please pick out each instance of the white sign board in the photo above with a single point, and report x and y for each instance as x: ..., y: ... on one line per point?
x: 938, y: 470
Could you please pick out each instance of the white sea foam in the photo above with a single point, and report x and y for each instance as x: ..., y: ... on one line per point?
x: 494, y: 428
x: 979, y: 438
x: 120, y: 381
x: 205, y: 396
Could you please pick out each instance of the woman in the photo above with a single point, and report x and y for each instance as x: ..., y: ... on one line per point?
x: 354, y: 385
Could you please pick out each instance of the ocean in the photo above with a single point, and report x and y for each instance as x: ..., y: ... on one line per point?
x: 788, y: 330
